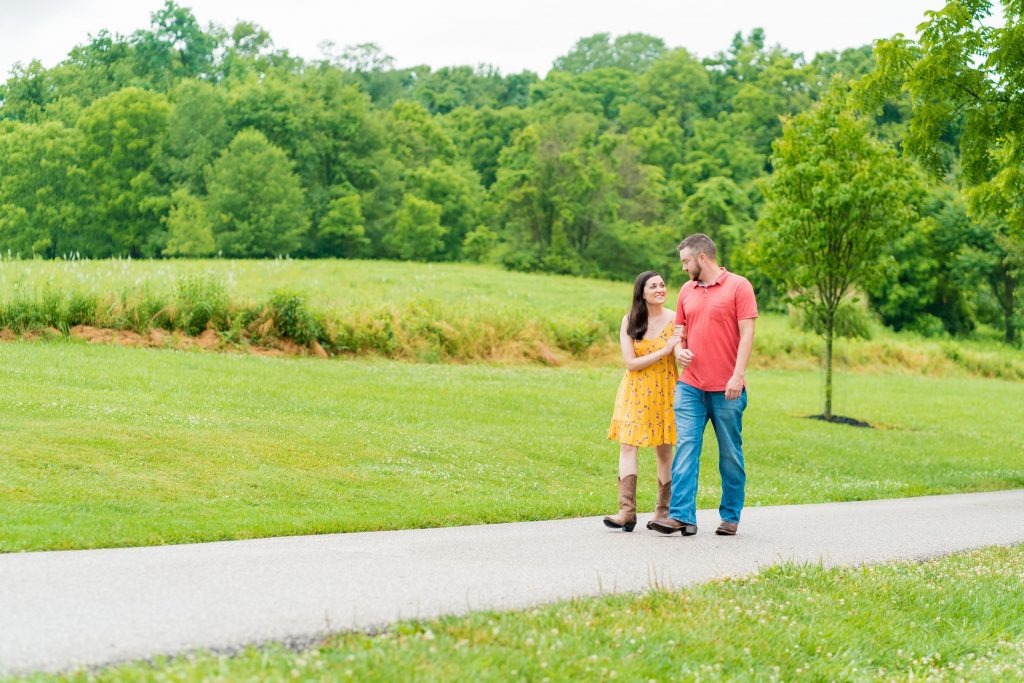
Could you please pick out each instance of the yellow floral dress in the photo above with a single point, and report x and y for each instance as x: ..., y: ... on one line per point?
x: 643, y: 407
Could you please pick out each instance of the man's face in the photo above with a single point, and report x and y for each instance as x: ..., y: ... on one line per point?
x: 691, y: 262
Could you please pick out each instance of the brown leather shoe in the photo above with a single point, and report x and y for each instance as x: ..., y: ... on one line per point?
x: 664, y: 496
x: 670, y: 526
x: 626, y: 519
x: 727, y: 529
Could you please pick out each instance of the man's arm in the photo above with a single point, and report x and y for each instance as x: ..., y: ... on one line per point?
x: 683, y: 354
x: 735, y: 386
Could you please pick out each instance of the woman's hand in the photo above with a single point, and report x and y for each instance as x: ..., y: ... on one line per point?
x: 670, y: 345
x: 678, y: 335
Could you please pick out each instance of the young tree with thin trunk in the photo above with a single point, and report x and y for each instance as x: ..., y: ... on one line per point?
x: 837, y: 197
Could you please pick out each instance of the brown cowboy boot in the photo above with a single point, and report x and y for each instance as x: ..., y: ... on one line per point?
x: 664, y: 495
x: 626, y: 519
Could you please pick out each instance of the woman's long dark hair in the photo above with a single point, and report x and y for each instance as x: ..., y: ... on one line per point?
x: 636, y: 325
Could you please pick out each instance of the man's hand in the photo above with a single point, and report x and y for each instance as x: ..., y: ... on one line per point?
x: 683, y: 357
x: 734, y: 388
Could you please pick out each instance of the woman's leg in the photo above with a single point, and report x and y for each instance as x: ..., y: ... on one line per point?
x: 664, y: 455
x: 626, y: 519
x: 627, y: 460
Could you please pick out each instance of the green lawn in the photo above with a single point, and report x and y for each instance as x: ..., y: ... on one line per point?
x: 955, y: 618
x: 108, y: 446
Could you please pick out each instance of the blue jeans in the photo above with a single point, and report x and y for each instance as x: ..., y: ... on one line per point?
x: 693, y: 409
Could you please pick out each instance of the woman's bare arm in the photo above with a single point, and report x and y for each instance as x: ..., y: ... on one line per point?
x: 633, y: 362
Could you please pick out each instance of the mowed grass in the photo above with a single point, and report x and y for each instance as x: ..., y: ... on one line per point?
x: 954, y: 618
x: 105, y: 446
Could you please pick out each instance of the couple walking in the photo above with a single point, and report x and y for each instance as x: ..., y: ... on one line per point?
x: 709, y: 336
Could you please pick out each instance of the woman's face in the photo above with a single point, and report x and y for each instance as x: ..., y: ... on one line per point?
x: 654, y: 290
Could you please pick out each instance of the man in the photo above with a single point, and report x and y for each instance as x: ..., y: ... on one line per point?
x: 718, y: 309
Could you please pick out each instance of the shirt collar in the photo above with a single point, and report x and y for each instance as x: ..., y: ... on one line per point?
x: 721, y: 278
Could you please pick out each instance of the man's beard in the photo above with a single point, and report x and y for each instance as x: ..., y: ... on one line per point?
x: 696, y: 276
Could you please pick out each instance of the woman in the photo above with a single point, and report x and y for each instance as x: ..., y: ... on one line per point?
x: 643, y: 407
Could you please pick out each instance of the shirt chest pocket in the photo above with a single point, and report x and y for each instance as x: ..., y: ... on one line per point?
x: 721, y: 310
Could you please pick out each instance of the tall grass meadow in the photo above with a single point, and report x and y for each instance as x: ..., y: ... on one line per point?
x: 418, y: 312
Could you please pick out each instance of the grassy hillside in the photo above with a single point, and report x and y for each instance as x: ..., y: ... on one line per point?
x: 446, y: 312
x: 337, y: 286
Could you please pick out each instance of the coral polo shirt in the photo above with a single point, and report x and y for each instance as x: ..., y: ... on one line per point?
x: 711, y: 314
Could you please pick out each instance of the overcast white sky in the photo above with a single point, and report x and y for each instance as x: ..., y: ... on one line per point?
x: 525, y: 34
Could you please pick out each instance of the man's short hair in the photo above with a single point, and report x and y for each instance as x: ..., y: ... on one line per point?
x: 699, y: 243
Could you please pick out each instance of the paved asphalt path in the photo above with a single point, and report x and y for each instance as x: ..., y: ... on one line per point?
x: 61, y: 610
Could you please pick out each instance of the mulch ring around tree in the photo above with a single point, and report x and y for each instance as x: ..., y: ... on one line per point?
x: 839, y: 419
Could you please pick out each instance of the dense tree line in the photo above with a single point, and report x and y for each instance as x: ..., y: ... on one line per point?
x: 184, y: 140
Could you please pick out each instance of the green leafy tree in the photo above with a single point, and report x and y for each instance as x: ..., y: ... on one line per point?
x: 757, y: 85
x: 343, y: 230
x: 715, y: 150
x: 931, y: 286
x: 445, y: 89
x: 41, y: 188
x: 248, y: 48
x: 631, y: 51
x: 602, y: 92
x: 676, y: 85
x: 993, y: 256
x: 347, y: 140
x: 375, y: 72
x: 516, y: 90
x: 91, y: 70
x: 380, y: 205
x: 965, y: 80
x: 255, y: 199
x: 479, y: 244
x: 639, y: 187
x: 27, y: 93
x: 456, y: 189
x: 850, y: 64
x: 481, y: 134
x: 122, y: 148
x: 836, y: 199
x: 555, y: 193
x: 720, y: 209
x: 418, y: 234
x: 276, y: 106
x: 174, y: 47
x: 189, y: 228
x: 562, y: 93
x: 416, y: 137
x: 662, y: 142
x: 323, y: 124
x: 625, y: 248
x: 197, y: 132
